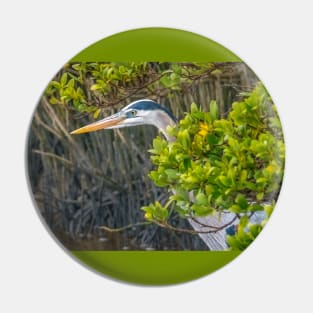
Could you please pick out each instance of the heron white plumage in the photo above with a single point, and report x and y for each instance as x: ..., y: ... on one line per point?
x: 148, y: 112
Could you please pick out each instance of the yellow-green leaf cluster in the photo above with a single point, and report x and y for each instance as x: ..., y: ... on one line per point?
x: 232, y: 164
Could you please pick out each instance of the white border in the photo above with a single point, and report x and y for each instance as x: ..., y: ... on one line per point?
x: 273, y: 39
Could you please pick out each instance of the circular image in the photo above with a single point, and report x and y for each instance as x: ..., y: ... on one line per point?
x: 155, y: 156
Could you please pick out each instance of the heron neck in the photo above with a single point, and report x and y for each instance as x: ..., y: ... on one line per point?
x: 161, y: 122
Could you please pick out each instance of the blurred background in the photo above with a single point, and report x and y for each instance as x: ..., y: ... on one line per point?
x: 80, y: 183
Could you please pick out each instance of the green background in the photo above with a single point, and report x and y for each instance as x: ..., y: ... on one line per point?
x: 156, y: 44
x: 155, y: 267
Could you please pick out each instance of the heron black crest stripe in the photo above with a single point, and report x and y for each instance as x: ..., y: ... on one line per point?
x: 149, y: 105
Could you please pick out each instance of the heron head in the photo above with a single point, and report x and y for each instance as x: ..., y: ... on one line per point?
x: 141, y: 112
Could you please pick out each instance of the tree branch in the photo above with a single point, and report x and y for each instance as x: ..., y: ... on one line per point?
x: 114, y: 230
x: 194, y: 232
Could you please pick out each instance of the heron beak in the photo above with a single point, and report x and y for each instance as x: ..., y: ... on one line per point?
x: 108, y: 122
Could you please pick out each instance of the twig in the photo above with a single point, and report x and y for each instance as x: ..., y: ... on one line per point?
x: 195, y: 232
x: 52, y: 155
x: 215, y: 227
x: 113, y: 230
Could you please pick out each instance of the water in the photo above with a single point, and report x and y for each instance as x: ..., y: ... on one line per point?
x: 110, y: 241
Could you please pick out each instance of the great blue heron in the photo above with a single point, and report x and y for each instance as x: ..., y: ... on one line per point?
x: 148, y: 112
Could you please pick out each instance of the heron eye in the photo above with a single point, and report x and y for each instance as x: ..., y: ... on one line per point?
x: 133, y: 113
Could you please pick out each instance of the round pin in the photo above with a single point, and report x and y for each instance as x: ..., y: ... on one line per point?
x: 155, y: 156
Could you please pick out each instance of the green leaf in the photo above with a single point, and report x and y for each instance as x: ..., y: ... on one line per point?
x: 260, y: 196
x: 71, y: 83
x: 96, y: 113
x: 255, y: 229
x: 201, y: 210
x: 171, y: 173
x: 193, y: 108
x: 255, y: 207
x: 76, y: 66
x: 212, y: 139
x: 180, y: 194
x: 242, y: 201
x: 235, y: 208
x: 155, y: 211
x: 234, y: 144
x: 268, y: 209
x: 226, y: 181
x: 63, y: 79
x: 244, y: 220
x: 201, y: 199
x: 243, y: 175
x: 53, y: 100
x: 95, y: 87
x: 216, y: 72
x: 214, y: 110
x: 55, y: 84
x: 184, y: 138
x: 159, y: 144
